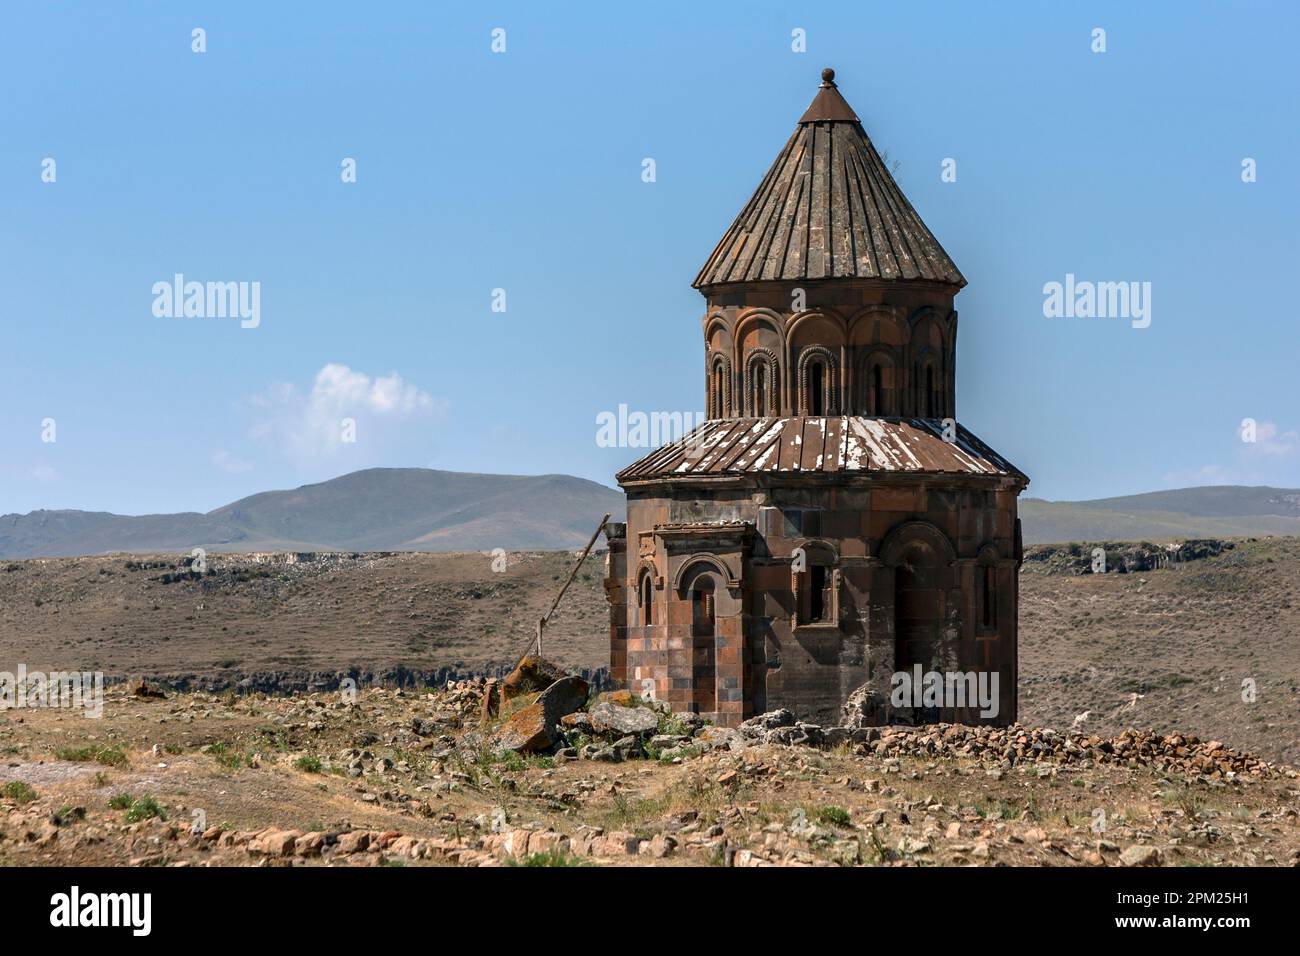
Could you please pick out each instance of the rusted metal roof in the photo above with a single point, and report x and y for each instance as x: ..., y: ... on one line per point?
x: 828, y: 208
x: 848, y: 444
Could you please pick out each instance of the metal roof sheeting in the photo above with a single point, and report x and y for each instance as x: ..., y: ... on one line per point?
x: 828, y: 208
x: 842, y: 444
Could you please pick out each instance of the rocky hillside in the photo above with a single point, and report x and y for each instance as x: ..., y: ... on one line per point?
x: 389, y: 509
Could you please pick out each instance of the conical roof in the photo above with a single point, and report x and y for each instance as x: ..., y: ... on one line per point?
x: 828, y: 208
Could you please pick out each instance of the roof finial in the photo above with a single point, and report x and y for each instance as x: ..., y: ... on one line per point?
x: 828, y: 77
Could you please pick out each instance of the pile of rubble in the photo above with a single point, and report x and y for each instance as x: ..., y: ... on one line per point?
x: 1173, y: 753
x: 547, y: 711
x: 1019, y: 745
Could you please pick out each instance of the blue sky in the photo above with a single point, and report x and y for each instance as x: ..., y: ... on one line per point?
x: 522, y: 171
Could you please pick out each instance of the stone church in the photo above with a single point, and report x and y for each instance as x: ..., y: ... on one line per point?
x: 830, y: 526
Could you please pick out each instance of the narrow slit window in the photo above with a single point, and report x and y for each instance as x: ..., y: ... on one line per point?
x: 877, y: 390
x: 647, y: 601
x: 816, y: 382
x: 702, y: 610
x: 817, y: 593
x: 988, y: 595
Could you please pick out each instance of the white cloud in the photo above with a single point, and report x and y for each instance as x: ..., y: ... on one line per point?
x: 1270, y: 441
x: 342, y: 404
x: 1265, y: 461
x: 229, y: 463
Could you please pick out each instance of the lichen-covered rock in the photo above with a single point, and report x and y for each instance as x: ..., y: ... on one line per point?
x: 535, y: 728
x: 532, y: 674
x: 578, y: 721
x: 610, y: 718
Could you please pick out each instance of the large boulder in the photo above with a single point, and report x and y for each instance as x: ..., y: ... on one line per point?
x: 535, y: 727
x: 611, y: 718
x: 761, y: 724
x: 530, y: 675
x: 866, y: 707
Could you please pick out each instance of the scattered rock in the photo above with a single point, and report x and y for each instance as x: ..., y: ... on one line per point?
x: 607, y: 717
x: 1140, y: 856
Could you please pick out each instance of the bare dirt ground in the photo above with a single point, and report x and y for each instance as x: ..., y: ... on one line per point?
x: 1170, y: 649
x: 368, y: 614
x: 400, y: 778
x: 1164, y: 649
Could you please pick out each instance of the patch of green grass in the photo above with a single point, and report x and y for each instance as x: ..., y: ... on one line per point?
x: 486, y: 758
x: 275, y: 738
x: 686, y: 752
x: 138, y: 808
x: 227, y: 756
x: 1000, y: 810
x: 550, y: 858
x: 308, y: 763
x: 511, y: 760
x: 108, y: 756
x: 832, y: 816
x: 690, y: 794
x: 673, y: 725
x: 879, y: 852
x: 18, y: 791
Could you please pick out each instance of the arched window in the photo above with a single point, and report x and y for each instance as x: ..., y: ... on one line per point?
x: 816, y: 587
x: 986, y: 591
x: 931, y: 395
x: 874, y: 384
x: 817, y: 382
x: 989, y: 597
x: 703, y: 617
x: 719, y: 388
x: 647, y: 600
x: 760, y: 385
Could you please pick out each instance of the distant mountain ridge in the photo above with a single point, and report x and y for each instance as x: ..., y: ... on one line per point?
x: 1209, y: 511
x: 420, y: 509
x: 378, y: 509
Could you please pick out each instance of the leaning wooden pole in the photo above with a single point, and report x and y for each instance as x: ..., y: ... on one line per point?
x: 541, y: 624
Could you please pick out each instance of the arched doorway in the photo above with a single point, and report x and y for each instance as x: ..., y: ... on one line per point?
x: 701, y: 591
x: 918, y: 607
x: 918, y: 616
